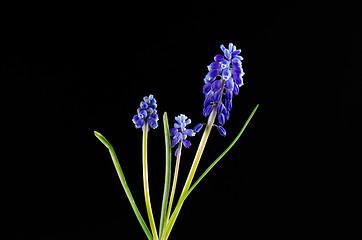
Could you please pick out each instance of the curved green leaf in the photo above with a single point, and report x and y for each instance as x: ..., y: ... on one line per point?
x: 186, y: 194
x: 166, y: 190
x: 124, y: 183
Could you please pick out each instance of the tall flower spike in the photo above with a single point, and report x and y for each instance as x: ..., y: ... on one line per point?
x: 180, y: 133
x: 222, y: 82
x: 146, y: 113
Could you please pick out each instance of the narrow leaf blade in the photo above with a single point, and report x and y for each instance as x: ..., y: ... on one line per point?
x: 226, y: 150
x: 166, y: 191
x: 124, y: 183
x: 186, y: 194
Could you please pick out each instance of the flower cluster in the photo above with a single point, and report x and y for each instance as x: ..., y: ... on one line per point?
x: 222, y: 82
x: 225, y: 76
x: 180, y: 133
x: 146, y: 113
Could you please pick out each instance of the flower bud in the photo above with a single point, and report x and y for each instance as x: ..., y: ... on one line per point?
x: 236, y: 89
x: 228, y: 105
x: 221, y: 119
x: 220, y: 108
x: 221, y: 130
x: 229, y: 95
x: 207, y: 102
x: 226, y: 74
x: 215, y: 65
x: 217, y: 97
x: 198, y: 127
x: 229, y: 84
x: 219, y: 58
x: 216, y: 85
x: 152, y: 123
x: 207, y: 110
x: 206, y: 88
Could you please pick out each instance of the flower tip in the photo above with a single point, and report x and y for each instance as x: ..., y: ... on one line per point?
x: 222, y: 47
x: 102, y: 139
x: 147, y: 112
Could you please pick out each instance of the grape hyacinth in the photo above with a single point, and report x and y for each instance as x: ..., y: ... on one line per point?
x: 180, y: 133
x: 146, y: 113
x: 224, y: 78
x: 222, y: 82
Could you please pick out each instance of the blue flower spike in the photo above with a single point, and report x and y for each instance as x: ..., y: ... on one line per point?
x: 180, y: 133
x: 222, y: 83
x: 146, y: 113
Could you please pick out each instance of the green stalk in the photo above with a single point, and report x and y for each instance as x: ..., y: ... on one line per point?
x: 166, y: 190
x: 200, y: 150
x: 145, y: 181
x: 124, y: 183
x: 177, y: 165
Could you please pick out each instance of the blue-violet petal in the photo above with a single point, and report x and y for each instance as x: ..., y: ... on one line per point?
x: 186, y: 143
x: 173, y: 131
x: 190, y: 132
x: 174, y: 141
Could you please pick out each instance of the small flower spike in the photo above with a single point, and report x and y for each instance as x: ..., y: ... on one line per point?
x: 222, y: 82
x: 146, y: 113
x: 180, y: 133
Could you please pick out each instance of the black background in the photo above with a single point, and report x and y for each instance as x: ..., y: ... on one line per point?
x: 71, y: 69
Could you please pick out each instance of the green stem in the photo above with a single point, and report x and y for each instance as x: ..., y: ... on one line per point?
x: 145, y: 182
x: 192, y: 172
x: 177, y: 165
x: 200, y: 150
